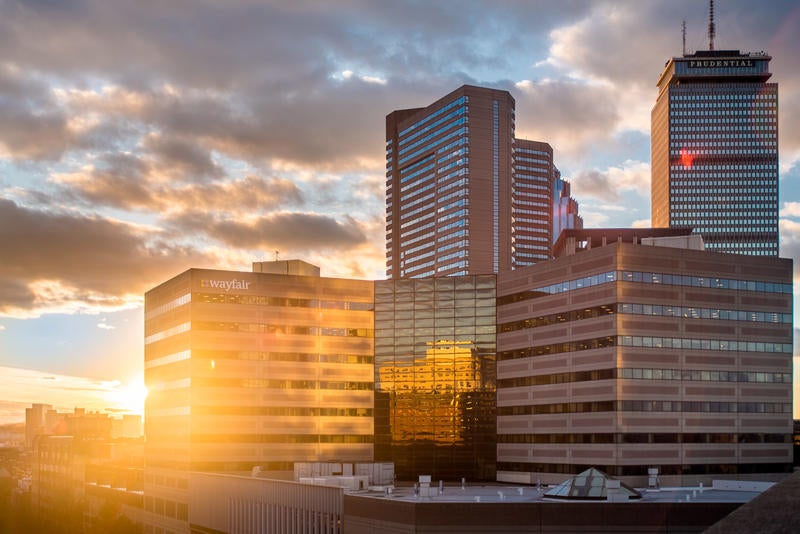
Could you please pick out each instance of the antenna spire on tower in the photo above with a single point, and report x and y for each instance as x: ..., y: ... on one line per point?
x: 684, y: 36
x: 711, y: 28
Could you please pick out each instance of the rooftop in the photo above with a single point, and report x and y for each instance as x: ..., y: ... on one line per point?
x: 454, y: 493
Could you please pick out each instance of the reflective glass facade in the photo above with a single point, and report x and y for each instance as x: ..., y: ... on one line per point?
x: 715, y: 151
x: 435, y: 355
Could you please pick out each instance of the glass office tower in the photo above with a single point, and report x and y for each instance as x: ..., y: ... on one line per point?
x: 448, y: 179
x: 435, y: 376
x: 463, y: 195
x: 714, y: 132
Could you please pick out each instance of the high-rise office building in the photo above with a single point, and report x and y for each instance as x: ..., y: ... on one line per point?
x: 463, y: 196
x: 637, y: 349
x: 714, y: 135
x: 533, y: 200
x: 253, y: 369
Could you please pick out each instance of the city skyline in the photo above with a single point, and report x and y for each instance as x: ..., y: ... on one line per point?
x: 131, y: 155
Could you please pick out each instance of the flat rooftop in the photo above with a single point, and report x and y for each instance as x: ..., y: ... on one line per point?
x: 496, y: 493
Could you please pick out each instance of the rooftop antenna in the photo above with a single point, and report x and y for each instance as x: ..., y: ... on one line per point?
x: 711, y: 29
x: 684, y: 36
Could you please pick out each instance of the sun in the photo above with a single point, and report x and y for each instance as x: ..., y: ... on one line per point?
x: 128, y: 398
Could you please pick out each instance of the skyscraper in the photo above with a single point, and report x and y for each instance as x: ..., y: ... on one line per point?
x: 463, y: 196
x: 714, y: 131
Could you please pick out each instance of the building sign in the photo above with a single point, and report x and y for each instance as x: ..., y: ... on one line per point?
x: 227, y: 285
x: 721, y: 63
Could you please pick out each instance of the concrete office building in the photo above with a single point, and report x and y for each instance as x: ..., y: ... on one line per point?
x: 626, y: 355
x: 252, y: 370
x: 463, y: 196
x: 714, y: 152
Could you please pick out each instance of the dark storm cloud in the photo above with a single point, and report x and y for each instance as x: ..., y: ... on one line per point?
x: 286, y: 231
x: 92, y: 259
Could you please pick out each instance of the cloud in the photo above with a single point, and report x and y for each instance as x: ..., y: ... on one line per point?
x: 609, y: 184
x: 103, y: 325
x: 183, y: 159
x: 134, y: 187
x: 790, y: 241
x: 790, y: 209
x: 32, y: 126
x: 279, y: 231
x: 19, y: 388
x: 62, y: 261
x: 567, y: 114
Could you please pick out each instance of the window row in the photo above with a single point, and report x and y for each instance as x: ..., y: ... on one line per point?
x: 641, y: 470
x: 281, y: 438
x: 283, y: 411
x: 270, y: 383
x: 287, y: 302
x: 267, y: 356
x: 266, y: 328
x: 647, y: 406
x: 687, y: 375
x: 646, y: 437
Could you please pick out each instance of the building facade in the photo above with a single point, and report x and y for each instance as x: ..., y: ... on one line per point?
x: 252, y: 370
x: 463, y: 195
x: 565, y: 210
x: 435, y: 376
x: 627, y: 356
x: 533, y: 201
x: 714, y: 151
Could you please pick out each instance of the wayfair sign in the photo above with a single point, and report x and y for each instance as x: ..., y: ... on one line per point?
x: 226, y: 285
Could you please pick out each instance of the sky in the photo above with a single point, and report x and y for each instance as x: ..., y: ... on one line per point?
x: 140, y: 139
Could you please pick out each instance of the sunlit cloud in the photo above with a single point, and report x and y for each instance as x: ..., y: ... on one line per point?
x: 610, y: 183
x: 594, y: 219
x: 66, y: 392
x: 790, y: 209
